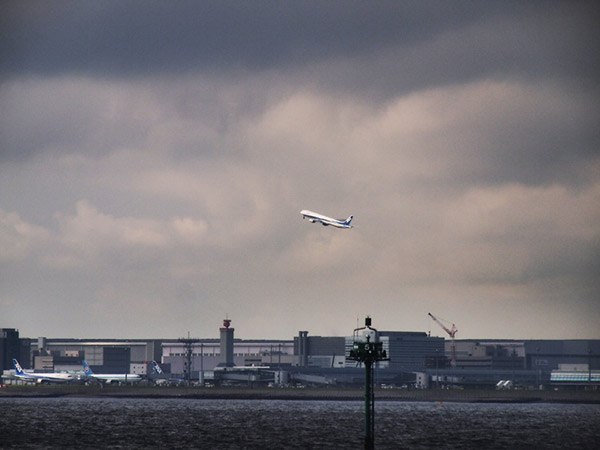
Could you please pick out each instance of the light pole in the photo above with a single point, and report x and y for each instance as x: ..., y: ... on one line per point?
x: 590, y: 366
x: 537, y: 372
x: 437, y: 378
x: 201, y: 365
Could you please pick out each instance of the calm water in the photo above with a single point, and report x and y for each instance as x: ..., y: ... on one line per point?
x: 271, y: 424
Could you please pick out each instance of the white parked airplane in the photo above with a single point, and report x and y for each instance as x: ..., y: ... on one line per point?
x: 110, y: 377
x: 54, y: 377
x: 161, y: 378
x: 324, y: 220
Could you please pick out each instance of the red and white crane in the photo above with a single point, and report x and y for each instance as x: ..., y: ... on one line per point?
x: 451, y: 332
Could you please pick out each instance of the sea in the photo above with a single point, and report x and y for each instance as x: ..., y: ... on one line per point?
x: 136, y: 423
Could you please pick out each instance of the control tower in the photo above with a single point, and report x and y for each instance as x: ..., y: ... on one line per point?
x: 227, y: 344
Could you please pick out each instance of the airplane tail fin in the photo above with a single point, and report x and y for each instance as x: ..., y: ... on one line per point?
x: 156, y: 367
x: 348, y: 220
x: 18, y: 368
x: 86, y: 369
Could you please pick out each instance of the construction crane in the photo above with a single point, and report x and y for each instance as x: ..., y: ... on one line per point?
x: 451, y: 332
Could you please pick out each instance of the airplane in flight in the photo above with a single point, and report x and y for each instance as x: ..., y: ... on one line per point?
x: 314, y: 217
x: 54, y: 377
x: 110, y: 378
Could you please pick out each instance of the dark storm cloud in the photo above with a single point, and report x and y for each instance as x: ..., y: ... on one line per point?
x: 176, y: 36
x: 376, y: 52
x: 154, y: 157
x: 132, y: 37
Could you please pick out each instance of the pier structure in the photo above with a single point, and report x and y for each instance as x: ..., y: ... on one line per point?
x: 368, y: 351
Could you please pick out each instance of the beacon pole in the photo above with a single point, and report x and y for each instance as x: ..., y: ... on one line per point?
x: 368, y: 352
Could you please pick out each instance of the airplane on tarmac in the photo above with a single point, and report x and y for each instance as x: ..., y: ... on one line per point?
x: 157, y: 369
x: 158, y: 372
x: 314, y: 217
x: 54, y: 377
x: 110, y: 377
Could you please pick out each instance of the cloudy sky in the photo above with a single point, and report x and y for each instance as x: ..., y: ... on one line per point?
x: 155, y: 156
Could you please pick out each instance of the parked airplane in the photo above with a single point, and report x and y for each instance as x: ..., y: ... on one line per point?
x: 54, y: 377
x: 110, y: 377
x: 324, y: 220
x: 161, y: 377
x: 157, y: 369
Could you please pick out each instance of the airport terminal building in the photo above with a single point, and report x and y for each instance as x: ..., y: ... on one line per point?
x: 416, y: 359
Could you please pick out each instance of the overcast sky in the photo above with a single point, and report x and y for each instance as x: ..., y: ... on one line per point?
x: 155, y: 156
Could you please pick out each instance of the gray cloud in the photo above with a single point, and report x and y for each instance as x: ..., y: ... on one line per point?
x: 153, y: 162
x: 433, y: 42
x: 132, y: 37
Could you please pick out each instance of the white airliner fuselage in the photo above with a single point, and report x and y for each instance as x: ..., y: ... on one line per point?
x: 314, y: 217
x: 54, y: 377
x: 110, y: 377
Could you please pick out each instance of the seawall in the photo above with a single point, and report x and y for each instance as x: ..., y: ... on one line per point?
x: 341, y: 394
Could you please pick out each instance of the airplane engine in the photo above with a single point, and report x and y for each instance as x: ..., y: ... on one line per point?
x: 312, y: 220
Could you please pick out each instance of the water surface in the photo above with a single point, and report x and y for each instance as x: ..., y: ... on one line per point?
x: 279, y: 424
